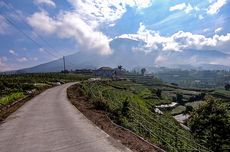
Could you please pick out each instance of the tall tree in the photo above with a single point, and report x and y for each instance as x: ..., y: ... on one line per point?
x: 119, y: 67
x: 211, y: 123
x: 227, y: 87
x: 143, y: 70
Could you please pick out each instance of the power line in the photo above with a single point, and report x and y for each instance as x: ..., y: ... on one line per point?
x: 27, y: 36
x: 11, y: 7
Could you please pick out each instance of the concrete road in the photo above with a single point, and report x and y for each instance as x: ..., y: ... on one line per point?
x: 49, y: 122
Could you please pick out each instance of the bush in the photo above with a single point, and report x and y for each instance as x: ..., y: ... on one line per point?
x: 211, y: 123
x: 188, y: 109
x: 158, y: 93
x: 227, y: 87
x: 100, y: 104
x: 125, y: 108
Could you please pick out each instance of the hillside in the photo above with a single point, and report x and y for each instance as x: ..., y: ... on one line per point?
x: 128, y: 53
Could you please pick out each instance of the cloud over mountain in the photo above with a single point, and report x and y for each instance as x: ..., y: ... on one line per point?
x: 178, y: 41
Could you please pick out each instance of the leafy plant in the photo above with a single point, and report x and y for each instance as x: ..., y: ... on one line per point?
x: 211, y: 123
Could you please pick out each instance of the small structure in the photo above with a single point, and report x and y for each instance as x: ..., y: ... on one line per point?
x: 83, y: 71
x: 104, y: 72
x: 94, y: 79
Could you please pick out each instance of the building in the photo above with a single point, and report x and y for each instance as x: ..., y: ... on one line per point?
x: 104, y: 72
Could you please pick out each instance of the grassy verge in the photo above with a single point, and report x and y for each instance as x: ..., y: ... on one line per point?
x: 100, y: 117
x: 11, y: 98
x: 20, y: 86
x: 132, y: 106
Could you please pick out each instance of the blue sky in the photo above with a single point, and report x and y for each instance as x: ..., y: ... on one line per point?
x: 65, y: 27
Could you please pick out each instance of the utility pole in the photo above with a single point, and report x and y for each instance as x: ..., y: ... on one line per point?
x: 64, y: 62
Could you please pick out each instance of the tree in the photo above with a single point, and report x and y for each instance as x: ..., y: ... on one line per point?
x: 188, y: 109
x: 179, y: 98
x: 211, y: 123
x: 158, y: 93
x: 125, y: 108
x: 2, y: 87
x: 227, y: 87
x: 119, y: 67
x: 143, y: 70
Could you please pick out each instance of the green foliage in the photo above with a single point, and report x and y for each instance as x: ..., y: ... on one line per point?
x: 158, y: 93
x: 10, y: 98
x: 211, y: 123
x: 227, y: 87
x: 25, y: 82
x: 188, y: 109
x: 143, y: 70
x: 178, y: 110
x: 100, y: 104
x: 195, y: 104
x: 195, y: 78
x: 125, y: 108
x: 179, y: 98
x: 198, y: 97
x: 130, y: 105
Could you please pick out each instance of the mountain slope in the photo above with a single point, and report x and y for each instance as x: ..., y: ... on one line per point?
x: 129, y: 53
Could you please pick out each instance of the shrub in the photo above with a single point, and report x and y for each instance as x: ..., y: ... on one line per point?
x: 158, y: 93
x: 211, y: 123
x: 100, y: 104
x: 125, y: 108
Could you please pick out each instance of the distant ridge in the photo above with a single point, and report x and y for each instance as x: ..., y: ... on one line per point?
x: 128, y: 54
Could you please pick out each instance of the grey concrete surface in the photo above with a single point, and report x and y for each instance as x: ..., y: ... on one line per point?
x: 50, y: 123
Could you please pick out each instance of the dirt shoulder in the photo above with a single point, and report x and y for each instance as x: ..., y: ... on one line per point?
x: 99, y: 117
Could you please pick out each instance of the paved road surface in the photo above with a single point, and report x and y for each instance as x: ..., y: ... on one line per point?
x: 49, y: 123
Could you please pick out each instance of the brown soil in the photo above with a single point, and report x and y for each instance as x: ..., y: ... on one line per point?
x: 99, y: 117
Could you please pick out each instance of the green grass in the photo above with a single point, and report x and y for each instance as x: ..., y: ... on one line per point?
x: 141, y: 119
x: 11, y: 98
x: 25, y: 82
x: 223, y: 92
x: 195, y: 104
x: 178, y: 110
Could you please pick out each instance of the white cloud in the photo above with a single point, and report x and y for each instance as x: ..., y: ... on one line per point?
x: 181, y: 6
x: 178, y: 41
x: 41, y: 49
x: 3, y: 65
x: 215, y: 7
x: 84, y: 22
x: 201, y: 17
x: 3, y: 25
x: 187, y: 8
x: 41, y: 22
x: 161, y: 59
x: 70, y: 25
x: 206, y: 30
x: 218, y: 30
x: 22, y: 59
x: 4, y: 59
x: 12, y: 52
x: 35, y: 59
x: 96, y: 12
x: 45, y: 2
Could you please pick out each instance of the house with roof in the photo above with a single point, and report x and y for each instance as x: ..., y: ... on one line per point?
x: 104, y: 72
